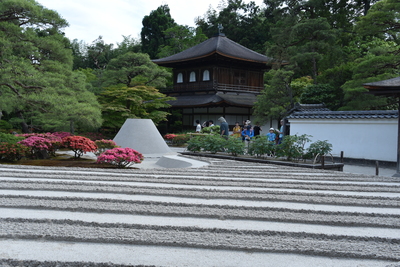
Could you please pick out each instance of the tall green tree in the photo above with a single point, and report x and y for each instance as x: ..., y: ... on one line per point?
x: 120, y: 102
x: 381, y: 59
x: 133, y: 69
x: 153, y: 31
x: 99, y: 54
x: 128, y: 44
x: 281, y: 93
x: 129, y: 90
x: 242, y: 22
x: 36, y: 77
x: 180, y: 38
x: 302, y: 35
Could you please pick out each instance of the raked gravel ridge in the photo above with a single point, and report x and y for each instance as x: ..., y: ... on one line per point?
x: 227, y: 213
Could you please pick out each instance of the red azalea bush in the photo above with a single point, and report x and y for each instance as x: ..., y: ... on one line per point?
x: 103, y: 145
x: 41, y: 147
x: 93, y: 136
x: 169, y: 136
x: 121, y: 157
x: 79, y: 145
x: 12, y: 152
x: 54, y: 138
x: 181, y: 139
x: 177, y: 139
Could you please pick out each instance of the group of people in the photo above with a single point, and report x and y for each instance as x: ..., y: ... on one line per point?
x: 224, y: 127
x: 205, y: 124
x: 245, y: 131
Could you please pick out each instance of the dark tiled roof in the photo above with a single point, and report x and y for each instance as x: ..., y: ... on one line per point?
x: 244, y: 100
x: 215, y: 45
x: 395, y: 82
x: 389, y: 87
x: 310, y: 107
x: 368, y: 114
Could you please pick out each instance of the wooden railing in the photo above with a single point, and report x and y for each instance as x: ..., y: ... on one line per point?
x: 238, y: 88
x: 210, y: 86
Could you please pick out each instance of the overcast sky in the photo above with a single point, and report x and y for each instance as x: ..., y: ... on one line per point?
x: 113, y: 18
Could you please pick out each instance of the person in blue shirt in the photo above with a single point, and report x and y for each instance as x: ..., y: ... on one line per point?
x: 271, y: 135
x: 247, y: 133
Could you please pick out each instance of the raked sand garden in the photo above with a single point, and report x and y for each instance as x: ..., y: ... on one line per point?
x: 217, y: 213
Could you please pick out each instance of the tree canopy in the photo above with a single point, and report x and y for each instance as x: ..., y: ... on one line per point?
x: 324, y: 51
x: 153, y: 34
x: 37, y: 72
x: 339, y: 44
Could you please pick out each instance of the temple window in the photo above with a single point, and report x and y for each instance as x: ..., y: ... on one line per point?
x: 192, y: 77
x: 206, y: 75
x: 179, y: 78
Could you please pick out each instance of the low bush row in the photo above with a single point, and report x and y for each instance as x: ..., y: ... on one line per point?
x: 292, y: 147
x: 35, y: 146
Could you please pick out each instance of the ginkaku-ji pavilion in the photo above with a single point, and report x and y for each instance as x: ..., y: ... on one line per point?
x: 215, y: 78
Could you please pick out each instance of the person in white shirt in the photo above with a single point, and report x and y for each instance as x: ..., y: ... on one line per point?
x: 198, y: 126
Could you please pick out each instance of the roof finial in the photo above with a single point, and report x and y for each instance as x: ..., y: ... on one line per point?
x: 220, y: 28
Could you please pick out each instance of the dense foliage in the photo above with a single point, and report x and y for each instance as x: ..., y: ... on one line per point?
x: 339, y: 45
x: 323, y: 51
x: 10, y: 138
x: 36, y: 72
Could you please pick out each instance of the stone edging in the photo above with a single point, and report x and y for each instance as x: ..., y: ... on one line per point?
x: 329, y: 166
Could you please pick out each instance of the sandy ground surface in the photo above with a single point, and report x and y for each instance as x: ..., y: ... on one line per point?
x: 217, y: 213
x: 369, y: 170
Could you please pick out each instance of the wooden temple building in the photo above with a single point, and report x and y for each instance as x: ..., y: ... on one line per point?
x: 215, y: 78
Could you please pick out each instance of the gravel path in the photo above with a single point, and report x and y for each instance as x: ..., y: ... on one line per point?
x: 225, y: 214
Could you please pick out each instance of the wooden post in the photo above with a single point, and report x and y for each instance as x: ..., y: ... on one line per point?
x: 397, y: 174
x: 323, y: 162
x: 341, y: 156
x: 376, y: 168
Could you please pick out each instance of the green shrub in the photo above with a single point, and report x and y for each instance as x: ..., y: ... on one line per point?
x: 213, y: 143
x: 5, y: 126
x: 180, y: 139
x: 261, y: 146
x: 104, y: 145
x: 234, y: 146
x: 212, y: 129
x: 292, y: 147
x: 318, y: 148
x: 195, y: 144
x: 10, y: 138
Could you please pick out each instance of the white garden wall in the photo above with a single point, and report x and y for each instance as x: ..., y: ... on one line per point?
x: 372, y: 139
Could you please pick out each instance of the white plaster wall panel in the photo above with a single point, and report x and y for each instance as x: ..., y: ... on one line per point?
x: 361, y: 139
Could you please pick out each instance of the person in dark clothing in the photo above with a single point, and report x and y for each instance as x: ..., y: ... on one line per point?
x: 257, y: 129
x: 224, y: 130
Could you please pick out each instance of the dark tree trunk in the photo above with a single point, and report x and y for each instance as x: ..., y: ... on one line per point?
x: 71, y: 127
x: 24, y: 125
